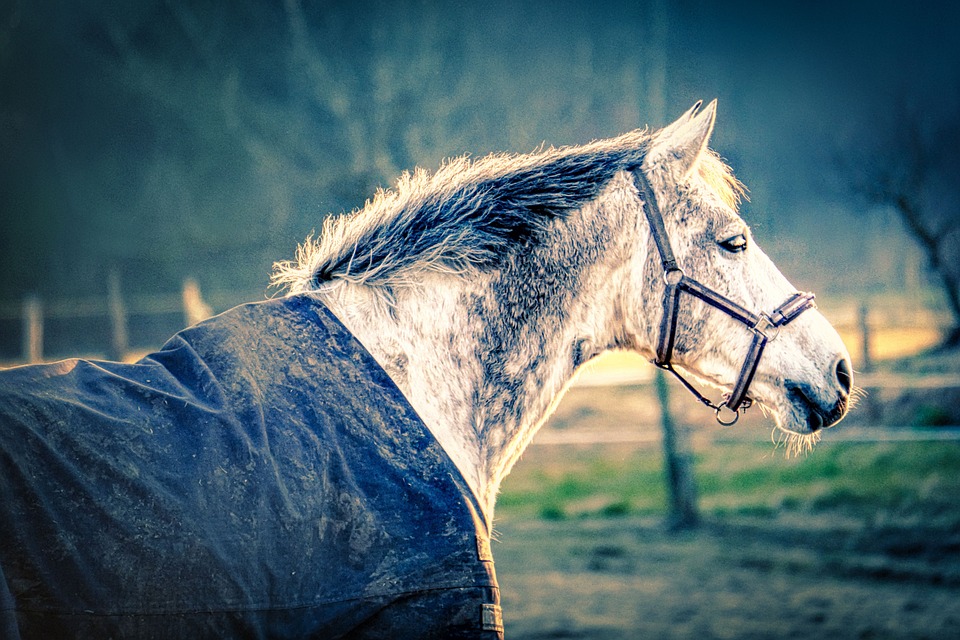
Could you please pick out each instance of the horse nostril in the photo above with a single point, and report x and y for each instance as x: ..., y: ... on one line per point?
x: 844, y: 375
x: 817, y: 413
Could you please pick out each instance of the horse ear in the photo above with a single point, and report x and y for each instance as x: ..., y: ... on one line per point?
x: 680, y: 144
x: 691, y: 112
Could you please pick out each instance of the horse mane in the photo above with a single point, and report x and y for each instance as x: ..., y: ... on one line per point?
x: 720, y: 179
x: 467, y: 215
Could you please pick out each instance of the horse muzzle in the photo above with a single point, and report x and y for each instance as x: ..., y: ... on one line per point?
x: 822, y: 409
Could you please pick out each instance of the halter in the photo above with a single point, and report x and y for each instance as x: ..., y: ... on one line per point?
x: 763, y: 326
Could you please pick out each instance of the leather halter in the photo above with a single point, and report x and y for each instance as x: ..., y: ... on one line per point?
x: 763, y: 326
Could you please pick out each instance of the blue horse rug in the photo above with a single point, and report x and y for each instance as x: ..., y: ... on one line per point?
x: 259, y: 477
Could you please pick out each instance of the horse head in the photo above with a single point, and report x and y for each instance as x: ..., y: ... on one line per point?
x: 743, y: 327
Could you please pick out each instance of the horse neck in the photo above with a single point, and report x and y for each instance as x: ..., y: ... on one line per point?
x: 484, y: 359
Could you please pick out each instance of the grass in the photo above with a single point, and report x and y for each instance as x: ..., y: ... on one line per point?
x: 874, y: 482
x: 592, y: 481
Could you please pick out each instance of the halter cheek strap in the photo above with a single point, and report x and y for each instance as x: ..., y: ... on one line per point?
x: 765, y: 327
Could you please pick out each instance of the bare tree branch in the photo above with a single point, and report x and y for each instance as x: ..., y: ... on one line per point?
x: 912, y: 169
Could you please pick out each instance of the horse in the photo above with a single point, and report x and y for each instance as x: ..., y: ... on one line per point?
x: 483, y: 288
x: 326, y: 463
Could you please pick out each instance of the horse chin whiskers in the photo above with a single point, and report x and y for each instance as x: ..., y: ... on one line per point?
x: 857, y: 394
x: 794, y: 444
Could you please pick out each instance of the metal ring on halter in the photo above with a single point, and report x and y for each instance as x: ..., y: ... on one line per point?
x: 727, y: 423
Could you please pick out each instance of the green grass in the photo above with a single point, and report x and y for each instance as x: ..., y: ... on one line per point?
x: 591, y: 482
x: 870, y: 482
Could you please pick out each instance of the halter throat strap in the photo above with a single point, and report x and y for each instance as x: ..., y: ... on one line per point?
x: 764, y: 327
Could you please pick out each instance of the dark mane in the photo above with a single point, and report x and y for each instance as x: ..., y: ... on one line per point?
x: 465, y: 216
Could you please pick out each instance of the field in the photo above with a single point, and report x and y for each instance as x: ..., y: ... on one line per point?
x: 857, y: 539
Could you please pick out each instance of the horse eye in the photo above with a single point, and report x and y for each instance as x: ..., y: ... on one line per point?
x: 736, y: 244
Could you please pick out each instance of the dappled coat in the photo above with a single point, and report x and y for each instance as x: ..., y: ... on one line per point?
x: 260, y: 476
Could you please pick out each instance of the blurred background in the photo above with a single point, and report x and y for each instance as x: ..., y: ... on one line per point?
x: 162, y: 141
x: 156, y: 157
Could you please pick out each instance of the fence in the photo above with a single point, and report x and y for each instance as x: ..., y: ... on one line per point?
x: 119, y: 324
x: 884, y: 331
x: 113, y: 326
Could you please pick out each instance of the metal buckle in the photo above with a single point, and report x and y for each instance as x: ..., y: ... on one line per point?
x: 766, y: 327
x: 673, y: 276
x: 491, y: 617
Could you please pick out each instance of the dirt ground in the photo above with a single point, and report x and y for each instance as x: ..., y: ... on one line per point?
x: 789, y: 575
x: 608, y: 578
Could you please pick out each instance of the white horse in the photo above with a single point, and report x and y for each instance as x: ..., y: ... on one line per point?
x: 483, y: 288
x: 262, y: 476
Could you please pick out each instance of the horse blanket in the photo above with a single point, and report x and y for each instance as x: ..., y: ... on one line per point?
x: 260, y: 477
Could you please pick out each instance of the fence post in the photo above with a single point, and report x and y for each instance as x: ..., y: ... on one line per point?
x: 863, y: 320
x: 32, y: 348
x: 681, y: 487
x: 194, y: 308
x: 119, y: 342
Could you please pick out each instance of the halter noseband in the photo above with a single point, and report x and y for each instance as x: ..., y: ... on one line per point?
x: 763, y: 326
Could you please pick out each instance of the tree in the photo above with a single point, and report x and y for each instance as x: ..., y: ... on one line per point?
x: 682, y: 510
x: 166, y: 139
x: 912, y: 168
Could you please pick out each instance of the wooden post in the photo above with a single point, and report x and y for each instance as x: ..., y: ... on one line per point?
x: 119, y: 341
x: 863, y: 319
x: 32, y: 329
x: 194, y: 308
x: 681, y: 488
